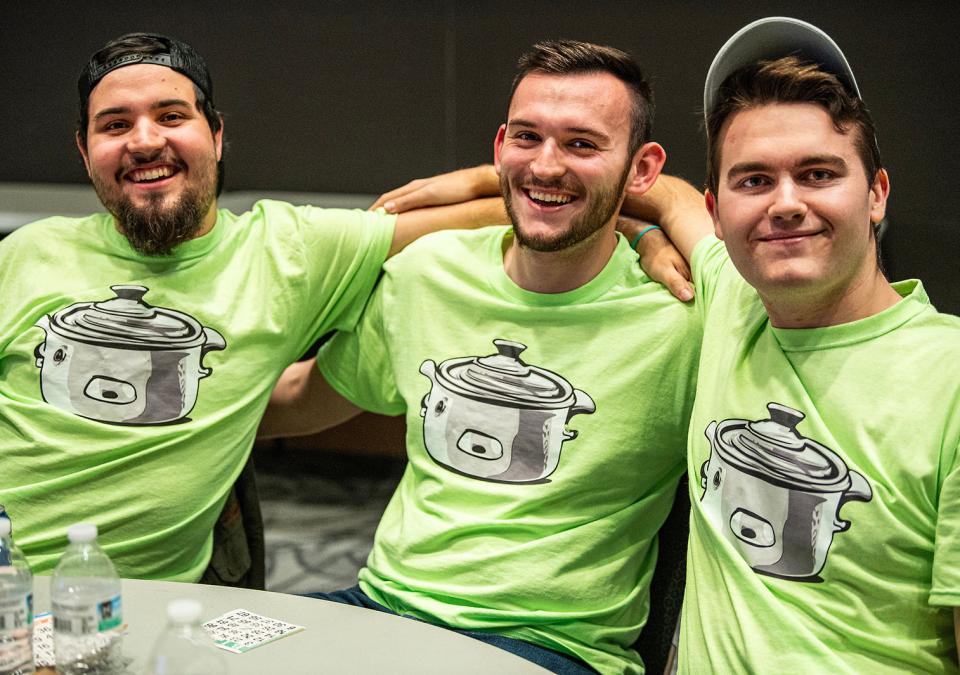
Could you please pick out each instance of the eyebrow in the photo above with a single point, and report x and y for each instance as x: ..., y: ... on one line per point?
x: 120, y: 110
x: 812, y: 160
x: 585, y: 131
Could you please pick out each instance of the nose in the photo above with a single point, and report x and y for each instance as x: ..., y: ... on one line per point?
x: 145, y: 139
x: 787, y: 203
x: 547, y: 162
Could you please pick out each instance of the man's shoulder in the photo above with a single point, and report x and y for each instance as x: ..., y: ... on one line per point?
x: 55, y: 230
x: 456, y: 247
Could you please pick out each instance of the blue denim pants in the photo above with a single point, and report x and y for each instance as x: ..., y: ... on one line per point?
x: 553, y: 661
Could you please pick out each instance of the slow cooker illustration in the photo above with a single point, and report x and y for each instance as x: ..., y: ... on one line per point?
x: 122, y: 360
x: 497, y: 418
x: 775, y: 494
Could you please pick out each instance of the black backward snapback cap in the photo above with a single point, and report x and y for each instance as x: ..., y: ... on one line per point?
x: 772, y: 38
x: 179, y: 56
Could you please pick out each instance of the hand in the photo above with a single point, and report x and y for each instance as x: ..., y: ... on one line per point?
x: 659, y: 258
x: 447, y: 188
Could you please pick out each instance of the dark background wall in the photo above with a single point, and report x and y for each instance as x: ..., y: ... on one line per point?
x: 362, y: 96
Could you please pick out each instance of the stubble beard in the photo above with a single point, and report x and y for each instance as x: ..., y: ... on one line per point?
x: 600, y: 208
x: 156, y: 228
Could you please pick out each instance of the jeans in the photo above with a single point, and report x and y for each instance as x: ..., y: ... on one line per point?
x: 553, y: 661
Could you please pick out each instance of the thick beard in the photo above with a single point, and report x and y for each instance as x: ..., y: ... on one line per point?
x: 155, y: 229
x: 600, y: 209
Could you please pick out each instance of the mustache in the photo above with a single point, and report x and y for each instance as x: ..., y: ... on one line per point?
x: 554, y: 184
x: 161, y: 158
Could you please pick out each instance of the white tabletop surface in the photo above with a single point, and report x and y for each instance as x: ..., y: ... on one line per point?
x: 338, y: 638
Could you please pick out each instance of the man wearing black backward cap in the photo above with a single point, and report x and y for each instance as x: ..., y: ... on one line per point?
x: 824, y: 445
x: 138, y: 347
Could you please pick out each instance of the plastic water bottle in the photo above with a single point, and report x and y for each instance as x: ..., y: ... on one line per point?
x: 184, y: 648
x: 16, y: 607
x: 85, y: 598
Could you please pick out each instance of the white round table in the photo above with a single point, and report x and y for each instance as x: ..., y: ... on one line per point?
x: 337, y: 638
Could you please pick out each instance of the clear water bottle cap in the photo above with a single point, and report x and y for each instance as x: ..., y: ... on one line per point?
x: 184, y: 610
x: 81, y: 532
x: 4, y: 527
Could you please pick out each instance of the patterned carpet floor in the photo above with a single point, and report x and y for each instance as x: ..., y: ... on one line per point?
x: 320, y: 518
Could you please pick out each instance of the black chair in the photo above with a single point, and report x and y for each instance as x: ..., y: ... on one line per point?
x: 666, y: 589
x: 239, y: 550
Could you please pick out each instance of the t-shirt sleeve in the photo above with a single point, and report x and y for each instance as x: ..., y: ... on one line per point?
x: 946, y: 555
x: 358, y: 363
x: 344, y: 251
x: 708, y: 259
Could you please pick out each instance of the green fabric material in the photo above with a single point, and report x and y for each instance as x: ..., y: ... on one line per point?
x: 270, y: 281
x: 564, y: 562
x: 883, y: 394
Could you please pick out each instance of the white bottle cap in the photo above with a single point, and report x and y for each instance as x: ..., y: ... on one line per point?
x: 4, y: 527
x: 82, y: 532
x: 184, y: 610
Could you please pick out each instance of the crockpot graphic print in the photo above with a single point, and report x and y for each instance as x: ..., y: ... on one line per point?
x: 497, y: 418
x: 775, y: 494
x: 124, y: 361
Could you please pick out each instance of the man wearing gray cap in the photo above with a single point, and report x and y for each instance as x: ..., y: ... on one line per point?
x: 138, y: 347
x: 824, y: 446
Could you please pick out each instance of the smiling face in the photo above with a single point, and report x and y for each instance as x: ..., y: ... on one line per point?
x: 152, y: 156
x: 793, y: 203
x: 563, y: 157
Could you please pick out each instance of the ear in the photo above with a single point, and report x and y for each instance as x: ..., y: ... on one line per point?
x: 218, y: 139
x: 497, y: 146
x: 710, y: 201
x: 646, y: 165
x: 879, y: 192
x: 81, y: 146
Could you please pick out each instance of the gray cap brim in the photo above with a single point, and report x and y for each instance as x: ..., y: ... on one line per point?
x: 772, y: 38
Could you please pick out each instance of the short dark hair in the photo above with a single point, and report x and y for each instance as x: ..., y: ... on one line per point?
x: 568, y: 57
x: 146, y: 45
x: 791, y: 80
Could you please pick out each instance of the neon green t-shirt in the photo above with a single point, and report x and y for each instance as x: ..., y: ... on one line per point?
x: 825, y: 484
x: 131, y: 387
x: 545, y: 438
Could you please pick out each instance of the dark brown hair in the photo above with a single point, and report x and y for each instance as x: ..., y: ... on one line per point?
x: 568, y: 57
x: 790, y: 80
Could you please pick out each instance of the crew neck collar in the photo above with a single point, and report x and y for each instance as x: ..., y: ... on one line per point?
x: 914, y: 300
x: 620, y: 260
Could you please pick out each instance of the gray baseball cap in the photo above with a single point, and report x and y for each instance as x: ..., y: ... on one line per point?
x: 772, y: 38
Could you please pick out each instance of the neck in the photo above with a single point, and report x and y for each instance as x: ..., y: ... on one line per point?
x: 560, y: 271
x: 209, y: 220
x: 859, y: 300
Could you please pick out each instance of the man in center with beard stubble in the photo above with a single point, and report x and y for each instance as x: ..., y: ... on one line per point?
x: 546, y: 382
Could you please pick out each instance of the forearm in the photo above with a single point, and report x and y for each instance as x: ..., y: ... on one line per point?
x: 452, y: 187
x: 303, y: 403
x: 677, y: 207
x: 465, y: 215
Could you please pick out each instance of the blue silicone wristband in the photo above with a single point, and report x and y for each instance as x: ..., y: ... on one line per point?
x: 636, y: 240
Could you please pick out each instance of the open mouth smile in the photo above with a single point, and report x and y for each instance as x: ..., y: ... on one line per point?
x: 547, y: 199
x: 151, y: 175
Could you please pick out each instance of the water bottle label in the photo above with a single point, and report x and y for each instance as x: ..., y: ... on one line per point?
x: 15, y: 617
x: 88, y: 619
x: 16, y: 613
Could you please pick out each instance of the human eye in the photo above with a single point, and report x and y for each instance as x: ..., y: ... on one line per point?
x: 114, y: 126
x: 582, y: 144
x: 819, y: 175
x: 752, y: 182
x: 172, y: 117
